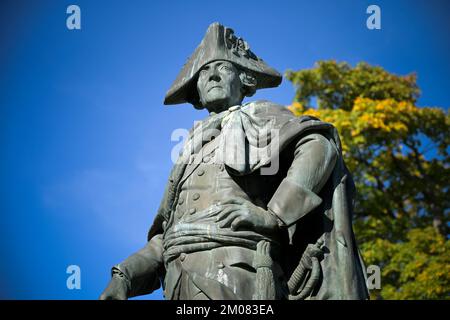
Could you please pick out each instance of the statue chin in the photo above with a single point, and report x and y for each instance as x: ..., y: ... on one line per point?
x: 218, y: 105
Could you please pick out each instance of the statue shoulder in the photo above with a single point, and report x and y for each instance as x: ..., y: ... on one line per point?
x: 268, y: 107
x: 282, y: 113
x: 261, y: 104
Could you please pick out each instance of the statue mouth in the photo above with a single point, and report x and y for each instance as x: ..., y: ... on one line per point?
x: 214, y: 87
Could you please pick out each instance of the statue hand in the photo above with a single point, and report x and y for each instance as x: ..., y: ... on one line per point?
x: 117, y: 289
x: 239, y: 213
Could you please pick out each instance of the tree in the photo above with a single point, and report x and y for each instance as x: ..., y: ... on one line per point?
x: 399, y: 157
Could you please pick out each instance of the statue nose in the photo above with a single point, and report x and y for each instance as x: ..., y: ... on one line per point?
x: 214, y: 77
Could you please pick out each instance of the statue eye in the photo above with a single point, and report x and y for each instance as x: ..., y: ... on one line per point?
x: 226, y: 68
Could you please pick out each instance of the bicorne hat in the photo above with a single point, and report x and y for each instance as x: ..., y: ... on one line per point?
x: 219, y: 43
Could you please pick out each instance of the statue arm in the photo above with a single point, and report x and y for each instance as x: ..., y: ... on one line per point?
x: 142, y: 270
x: 314, y: 159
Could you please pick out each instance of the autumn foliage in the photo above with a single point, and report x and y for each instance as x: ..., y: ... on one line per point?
x: 399, y: 157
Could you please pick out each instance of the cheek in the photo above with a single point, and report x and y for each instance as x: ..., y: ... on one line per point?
x: 231, y: 83
x: 236, y: 84
x: 200, y: 87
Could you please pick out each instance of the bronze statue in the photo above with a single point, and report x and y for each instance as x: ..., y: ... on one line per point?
x: 259, y: 203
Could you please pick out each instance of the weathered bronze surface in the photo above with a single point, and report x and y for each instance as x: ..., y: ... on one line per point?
x: 259, y: 203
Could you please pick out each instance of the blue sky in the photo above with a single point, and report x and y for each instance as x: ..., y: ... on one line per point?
x: 85, y: 138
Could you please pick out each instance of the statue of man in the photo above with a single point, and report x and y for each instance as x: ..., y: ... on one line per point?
x: 259, y: 203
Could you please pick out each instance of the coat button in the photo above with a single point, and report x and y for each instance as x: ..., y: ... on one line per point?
x: 206, y: 159
x: 201, y: 172
x: 221, y: 265
x: 192, y: 210
x: 180, y: 201
x: 182, y: 256
x: 196, y: 196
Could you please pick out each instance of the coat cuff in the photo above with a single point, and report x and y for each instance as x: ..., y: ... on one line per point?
x: 292, y: 201
x: 137, y: 284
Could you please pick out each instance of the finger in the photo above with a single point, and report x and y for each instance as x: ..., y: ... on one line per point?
x: 240, y: 222
x: 232, y: 201
x: 225, y: 212
x: 259, y: 246
x: 262, y: 248
x: 229, y: 220
x: 267, y: 247
x: 226, y: 208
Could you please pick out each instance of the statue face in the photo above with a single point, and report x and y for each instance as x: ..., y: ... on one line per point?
x: 219, y: 86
